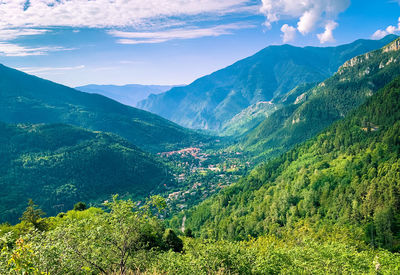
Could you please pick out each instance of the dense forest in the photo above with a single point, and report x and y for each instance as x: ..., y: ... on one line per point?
x: 349, y: 175
x: 59, y: 165
x: 329, y: 205
x: 211, y: 101
x: 122, y: 238
x: 29, y: 99
x: 314, y: 110
x: 325, y: 198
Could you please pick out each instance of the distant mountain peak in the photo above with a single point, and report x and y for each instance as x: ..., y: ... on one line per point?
x: 212, y: 101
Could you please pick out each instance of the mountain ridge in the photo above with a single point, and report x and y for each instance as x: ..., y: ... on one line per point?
x: 346, y: 175
x: 210, y: 101
x: 129, y: 94
x: 355, y: 81
x: 30, y: 99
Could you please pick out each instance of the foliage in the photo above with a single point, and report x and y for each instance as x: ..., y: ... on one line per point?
x: 347, y: 175
x: 328, y: 206
x: 80, y: 206
x: 130, y: 240
x: 33, y: 215
x: 293, y: 253
x: 356, y: 81
x: 29, y: 99
x: 172, y: 241
x: 248, y: 118
x: 211, y: 101
x: 59, y: 165
x: 188, y: 233
x: 92, y: 241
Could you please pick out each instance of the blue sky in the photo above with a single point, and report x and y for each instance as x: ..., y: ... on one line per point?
x: 77, y: 42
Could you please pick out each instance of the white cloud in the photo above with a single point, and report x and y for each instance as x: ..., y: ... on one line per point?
x: 310, y: 14
x: 35, y: 17
x: 108, y: 13
x: 9, y: 49
x: 327, y: 35
x: 182, y: 33
x: 308, y: 20
x: 10, y: 34
x: 389, y: 30
x: 289, y: 33
x: 12, y: 49
x: 39, y: 70
x: 140, y: 41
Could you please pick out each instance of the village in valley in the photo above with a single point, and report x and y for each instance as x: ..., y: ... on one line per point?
x: 200, y: 173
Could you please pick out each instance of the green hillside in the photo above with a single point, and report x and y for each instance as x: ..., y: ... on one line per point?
x: 28, y: 99
x: 248, y: 118
x: 126, y: 239
x: 312, y: 111
x: 59, y: 165
x: 348, y: 175
x: 211, y: 101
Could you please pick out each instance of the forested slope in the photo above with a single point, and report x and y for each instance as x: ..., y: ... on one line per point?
x: 211, y: 101
x: 58, y: 165
x: 29, y: 99
x: 356, y: 81
x: 348, y: 175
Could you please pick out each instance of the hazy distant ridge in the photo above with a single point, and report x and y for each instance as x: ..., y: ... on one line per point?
x: 129, y: 94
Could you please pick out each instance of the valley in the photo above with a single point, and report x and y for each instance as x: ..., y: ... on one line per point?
x: 200, y: 173
x: 285, y: 162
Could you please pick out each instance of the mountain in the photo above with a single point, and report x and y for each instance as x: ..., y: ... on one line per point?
x: 127, y: 94
x: 58, y: 165
x: 355, y: 81
x: 252, y: 116
x: 29, y: 99
x: 347, y: 175
x: 248, y: 118
x: 211, y: 101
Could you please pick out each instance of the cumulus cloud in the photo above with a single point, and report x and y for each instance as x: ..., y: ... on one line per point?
x: 389, y: 30
x: 327, y: 35
x: 310, y: 14
x: 182, y: 33
x: 289, y: 33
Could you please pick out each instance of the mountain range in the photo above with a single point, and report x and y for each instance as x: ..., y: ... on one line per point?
x: 211, y: 101
x: 127, y: 94
x: 59, y: 145
x: 348, y: 175
x: 29, y: 99
x: 314, y: 110
x: 306, y: 181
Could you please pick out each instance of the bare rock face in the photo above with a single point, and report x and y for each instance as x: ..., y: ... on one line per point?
x: 394, y: 46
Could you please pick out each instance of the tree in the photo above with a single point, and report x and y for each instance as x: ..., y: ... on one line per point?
x: 80, y: 206
x: 33, y: 215
x: 189, y: 233
x: 172, y: 241
x: 105, y: 242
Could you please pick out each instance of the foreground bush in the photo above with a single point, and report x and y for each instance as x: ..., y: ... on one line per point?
x: 124, y: 239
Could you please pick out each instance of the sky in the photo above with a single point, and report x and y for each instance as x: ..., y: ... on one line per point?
x: 172, y: 42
